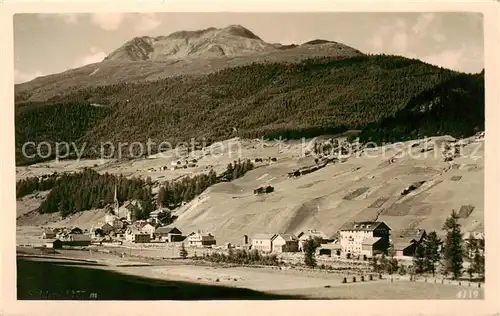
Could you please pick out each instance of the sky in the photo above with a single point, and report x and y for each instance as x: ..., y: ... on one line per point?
x: 52, y: 43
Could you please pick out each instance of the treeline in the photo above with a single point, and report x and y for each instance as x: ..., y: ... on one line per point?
x: 454, y: 107
x: 306, y: 99
x: 242, y: 256
x: 53, y: 122
x: 33, y: 184
x: 450, y: 253
x: 75, y: 192
x: 173, y: 193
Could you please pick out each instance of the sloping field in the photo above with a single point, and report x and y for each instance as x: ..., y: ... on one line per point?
x: 373, y: 187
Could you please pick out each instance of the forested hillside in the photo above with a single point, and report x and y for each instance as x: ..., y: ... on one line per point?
x: 306, y: 99
x: 80, y: 191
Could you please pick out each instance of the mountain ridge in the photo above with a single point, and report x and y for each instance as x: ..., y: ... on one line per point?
x: 198, y: 52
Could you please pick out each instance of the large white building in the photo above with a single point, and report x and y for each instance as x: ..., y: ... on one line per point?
x: 364, y: 238
x: 263, y: 242
x: 200, y: 239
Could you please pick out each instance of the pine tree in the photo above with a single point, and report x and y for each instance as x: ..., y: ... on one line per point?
x: 432, y: 243
x: 478, y: 259
x: 183, y: 252
x: 419, y: 263
x: 161, y: 196
x: 452, y: 249
x: 310, y: 247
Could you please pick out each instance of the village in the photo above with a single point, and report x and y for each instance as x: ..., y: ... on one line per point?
x: 356, y: 240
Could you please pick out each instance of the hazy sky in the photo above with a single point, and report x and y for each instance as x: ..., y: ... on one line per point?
x: 52, y: 43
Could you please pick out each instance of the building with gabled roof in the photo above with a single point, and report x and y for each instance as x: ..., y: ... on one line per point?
x: 364, y: 238
x: 169, y: 233
x: 406, y: 241
x: 263, y: 242
x: 312, y: 233
x: 200, y: 239
x: 285, y: 243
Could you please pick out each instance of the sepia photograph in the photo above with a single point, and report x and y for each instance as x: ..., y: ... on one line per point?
x: 249, y: 156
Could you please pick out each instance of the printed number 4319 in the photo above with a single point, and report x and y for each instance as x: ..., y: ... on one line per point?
x: 468, y: 294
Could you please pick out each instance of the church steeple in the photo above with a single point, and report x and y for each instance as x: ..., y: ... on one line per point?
x: 115, y: 201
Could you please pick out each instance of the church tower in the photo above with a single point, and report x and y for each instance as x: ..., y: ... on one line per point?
x: 116, y: 204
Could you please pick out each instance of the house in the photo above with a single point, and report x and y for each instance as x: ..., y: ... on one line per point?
x: 304, y: 236
x: 285, y: 243
x: 106, y: 228
x: 329, y: 249
x: 364, y: 238
x: 127, y: 210
x: 54, y: 244
x: 48, y: 234
x: 473, y: 236
x: 263, y: 242
x: 142, y: 238
x: 199, y: 239
x: 78, y: 240
x: 76, y: 230
x: 110, y: 217
x: 405, y: 241
x: 117, y: 223
x: 134, y: 234
x: 153, y: 216
x: 148, y: 229
x: 169, y: 233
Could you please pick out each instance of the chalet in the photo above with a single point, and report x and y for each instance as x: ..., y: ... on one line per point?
x: 170, y: 234
x: 135, y: 234
x: 364, y: 238
x: 405, y: 241
x: 106, y: 228
x: 473, y: 240
x: 148, y: 229
x: 304, y: 236
x: 153, y: 216
x: 263, y: 242
x: 127, y: 210
x: 285, y: 243
x: 201, y: 239
x: 48, y: 234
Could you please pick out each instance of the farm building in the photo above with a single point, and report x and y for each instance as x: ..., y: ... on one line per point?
x: 263, y: 242
x: 364, y: 238
x: 148, y: 229
x: 54, y: 244
x: 170, y: 234
x: 201, y: 239
x: 406, y: 241
x: 304, y: 236
x: 330, y: 249
x: 106, y: 228
x: 142, y: 238
x: 78, y: 240
x: 285, y: 243
x: 153, y: 216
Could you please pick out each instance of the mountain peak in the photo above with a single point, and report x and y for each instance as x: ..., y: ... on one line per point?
x: 238, y: 30
x: 233, y: 40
